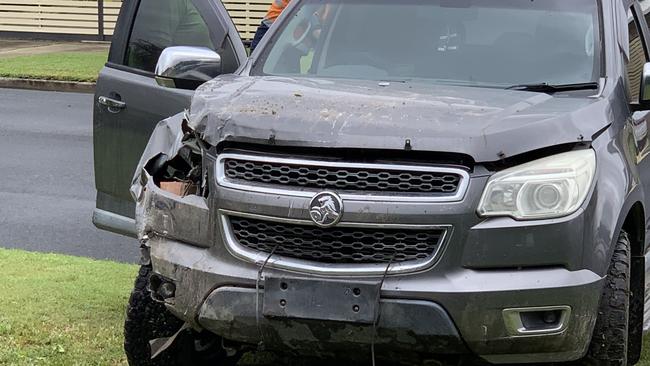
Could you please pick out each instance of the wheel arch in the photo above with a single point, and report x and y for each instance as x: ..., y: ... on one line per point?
x: 634, y: 227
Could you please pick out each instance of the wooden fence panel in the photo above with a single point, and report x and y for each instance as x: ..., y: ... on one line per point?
x: 81, y: 17
x: 247, y: 15
x: 111, y: 11
x: 51, y: 16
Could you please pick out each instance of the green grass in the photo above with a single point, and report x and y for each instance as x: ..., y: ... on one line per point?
x: 66, y: 66
x: 62, y: 310
x: 645, y: 359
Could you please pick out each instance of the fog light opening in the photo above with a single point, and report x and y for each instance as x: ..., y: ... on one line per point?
x: 551, y: 317
x: 167, y: 290
x: 161, y: 289
x: 537, y: 321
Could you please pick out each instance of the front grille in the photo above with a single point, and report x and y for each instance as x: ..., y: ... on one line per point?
x: 342, y: 177
x: 340, y: 245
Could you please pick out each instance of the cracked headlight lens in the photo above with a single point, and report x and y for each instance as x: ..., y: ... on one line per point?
x: 551, y: 187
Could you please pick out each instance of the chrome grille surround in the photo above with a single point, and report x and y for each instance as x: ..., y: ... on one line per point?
x: 303, y: 189
x: 279, y: 261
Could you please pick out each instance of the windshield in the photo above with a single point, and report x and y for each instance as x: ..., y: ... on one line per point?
x: 464, y: 42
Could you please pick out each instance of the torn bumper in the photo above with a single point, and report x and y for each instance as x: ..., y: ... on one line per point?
x: 423, y: 313
x: 415, y: 326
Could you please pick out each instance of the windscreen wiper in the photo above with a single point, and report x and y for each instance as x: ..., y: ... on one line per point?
x: 554, y: 88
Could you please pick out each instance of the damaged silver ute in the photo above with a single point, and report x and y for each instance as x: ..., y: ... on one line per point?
x: 382, y: 182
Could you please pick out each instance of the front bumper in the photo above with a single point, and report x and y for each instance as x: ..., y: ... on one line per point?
x: 415, y: 326
x: 453, y: 306
x: 429, y: 312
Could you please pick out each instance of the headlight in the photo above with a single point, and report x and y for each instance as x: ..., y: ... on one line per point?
x: 547, y: 188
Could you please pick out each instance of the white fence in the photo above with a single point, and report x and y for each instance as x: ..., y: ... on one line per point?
x: 247, y: 15
x: 58, y: 17
x: 97, y: 18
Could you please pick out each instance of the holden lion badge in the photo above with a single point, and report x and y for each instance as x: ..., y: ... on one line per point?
x: 326, y: 209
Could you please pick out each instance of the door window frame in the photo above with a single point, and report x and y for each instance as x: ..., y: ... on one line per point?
x: 126, y: 21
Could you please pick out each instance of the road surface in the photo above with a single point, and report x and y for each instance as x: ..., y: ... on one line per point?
x: 47, y: 189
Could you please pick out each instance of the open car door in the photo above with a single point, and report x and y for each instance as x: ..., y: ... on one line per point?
x: 128, y: 101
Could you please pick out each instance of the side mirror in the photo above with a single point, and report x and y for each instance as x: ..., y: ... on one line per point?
x: 644, y: 93
x: 184, y: 67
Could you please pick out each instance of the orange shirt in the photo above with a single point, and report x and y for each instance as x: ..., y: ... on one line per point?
x: 275, y: 10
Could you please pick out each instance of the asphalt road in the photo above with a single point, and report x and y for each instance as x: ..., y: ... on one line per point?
x: 47, y: 187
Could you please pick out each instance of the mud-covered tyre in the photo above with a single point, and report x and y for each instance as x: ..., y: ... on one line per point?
x: 610, y: 337
x: 147, y: 319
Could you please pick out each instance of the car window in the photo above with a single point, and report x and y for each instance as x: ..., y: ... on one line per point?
x: 638, y: 58
x: 496, y: 42
x: 164, y: 23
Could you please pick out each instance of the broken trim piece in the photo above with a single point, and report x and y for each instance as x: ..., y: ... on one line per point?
x: 115, y: 223
x: 166, y: 214
x: 160, y: 345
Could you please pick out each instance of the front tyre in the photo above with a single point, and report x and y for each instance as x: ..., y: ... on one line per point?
x: 610, y: 337
x: 147, y: 319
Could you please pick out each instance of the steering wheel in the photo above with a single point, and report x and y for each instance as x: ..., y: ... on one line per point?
x: 303, y: 36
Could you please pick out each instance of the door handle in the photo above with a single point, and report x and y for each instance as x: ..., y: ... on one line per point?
x: 113, y: 105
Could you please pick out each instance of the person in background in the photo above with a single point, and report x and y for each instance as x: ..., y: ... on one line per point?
x: 162, y: 24
x: 274, y: 12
